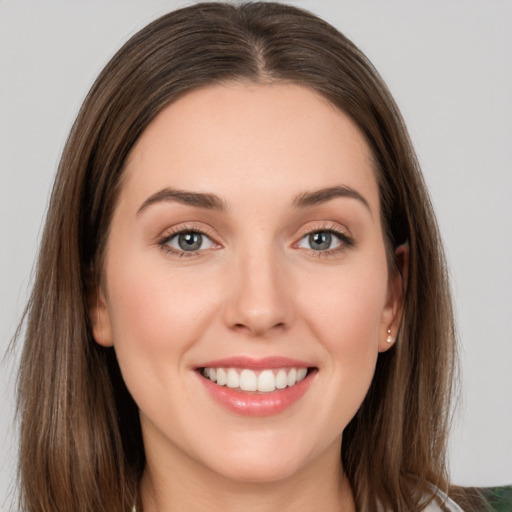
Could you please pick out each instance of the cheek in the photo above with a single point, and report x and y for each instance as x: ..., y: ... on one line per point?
x: 156, y: 316
x: 346, y: 318
x: 346, y: 311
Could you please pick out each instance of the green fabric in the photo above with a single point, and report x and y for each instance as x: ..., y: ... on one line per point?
x: 498, y: 499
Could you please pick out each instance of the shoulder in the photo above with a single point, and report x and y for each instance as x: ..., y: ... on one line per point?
x: 441, y: 503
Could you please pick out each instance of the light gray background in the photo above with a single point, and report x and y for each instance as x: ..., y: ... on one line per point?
x: 449, y: 65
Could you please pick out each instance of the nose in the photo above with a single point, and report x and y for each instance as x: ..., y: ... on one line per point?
x: 259, y: 299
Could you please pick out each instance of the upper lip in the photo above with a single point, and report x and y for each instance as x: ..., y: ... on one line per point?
x: 255, y: 363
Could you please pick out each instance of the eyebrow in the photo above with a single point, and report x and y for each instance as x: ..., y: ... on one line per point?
x: 214, y: 202
x: 323, y: 195
x: 197, y: 199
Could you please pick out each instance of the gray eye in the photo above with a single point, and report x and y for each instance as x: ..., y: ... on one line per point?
x: 190, y: 241
x: 320, y: 241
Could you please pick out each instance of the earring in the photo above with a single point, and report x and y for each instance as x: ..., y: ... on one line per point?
x: 389, y: 339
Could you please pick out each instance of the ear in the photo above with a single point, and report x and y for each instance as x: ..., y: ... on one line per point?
x: 100, y: 317
x: 392, y: 314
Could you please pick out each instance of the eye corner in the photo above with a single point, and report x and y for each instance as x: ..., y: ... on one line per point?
x: 187, y: 241
x: 331, y: 240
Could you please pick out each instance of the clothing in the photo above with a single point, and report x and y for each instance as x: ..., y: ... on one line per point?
x: 442, y: 504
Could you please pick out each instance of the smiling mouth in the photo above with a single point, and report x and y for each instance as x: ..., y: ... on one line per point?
x: 262, y: 381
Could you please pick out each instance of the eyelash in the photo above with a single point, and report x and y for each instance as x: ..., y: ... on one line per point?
x: 346, y: 241
x: 164, y: 241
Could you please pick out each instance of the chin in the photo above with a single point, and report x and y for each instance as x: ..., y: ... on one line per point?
x: 245, y: 471
x: 260, y: 460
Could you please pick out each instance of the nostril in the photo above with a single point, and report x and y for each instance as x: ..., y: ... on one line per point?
x: 241, y: 327
x: 258, y: 329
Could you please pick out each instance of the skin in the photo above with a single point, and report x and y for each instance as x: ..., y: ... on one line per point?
x: 257, y: 289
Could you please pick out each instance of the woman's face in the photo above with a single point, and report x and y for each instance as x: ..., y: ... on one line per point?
x: 246, y: 248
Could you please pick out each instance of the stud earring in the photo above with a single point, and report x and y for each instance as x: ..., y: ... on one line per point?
x: 389, y: 339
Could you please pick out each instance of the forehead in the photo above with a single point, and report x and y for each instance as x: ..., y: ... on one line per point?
x: 241, y: 139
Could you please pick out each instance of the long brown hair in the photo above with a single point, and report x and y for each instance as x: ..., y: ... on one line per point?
x: 81, y: 445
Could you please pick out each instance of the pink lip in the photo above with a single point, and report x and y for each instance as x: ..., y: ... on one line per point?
x: 254, y: 403
x: 256, y: 364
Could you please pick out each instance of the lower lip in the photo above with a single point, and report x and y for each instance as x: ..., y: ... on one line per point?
x: 258, y: 404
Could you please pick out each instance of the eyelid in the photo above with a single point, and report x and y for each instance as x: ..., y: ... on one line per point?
x: 172, y: 232
x: 198, y: 227
x: 342, y: 233
x: 313, y: 227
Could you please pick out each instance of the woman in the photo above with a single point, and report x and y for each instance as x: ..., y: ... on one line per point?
x: 240, y: 279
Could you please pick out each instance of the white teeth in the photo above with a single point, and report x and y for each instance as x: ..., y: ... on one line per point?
x: 222, y: 378
x: 248, y: 380
x: 281, y: 379
x: 292, y: 376
x: 265, y: 381
x: 233, y: 380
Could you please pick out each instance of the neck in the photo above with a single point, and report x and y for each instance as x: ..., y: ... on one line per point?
x: 185, y: 485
